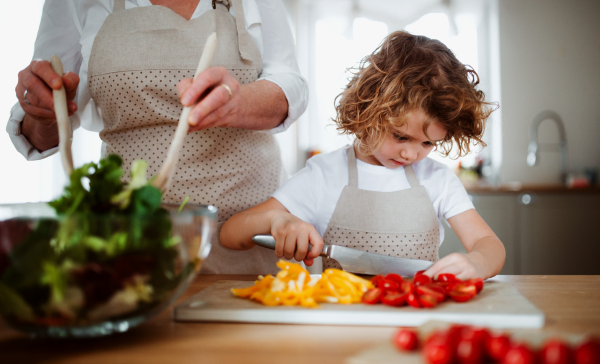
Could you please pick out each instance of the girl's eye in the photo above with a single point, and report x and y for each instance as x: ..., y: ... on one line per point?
x: 428, y: 144
x: 400, y: 138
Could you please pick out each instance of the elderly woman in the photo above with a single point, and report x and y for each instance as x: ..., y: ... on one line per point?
x: 133, y: 62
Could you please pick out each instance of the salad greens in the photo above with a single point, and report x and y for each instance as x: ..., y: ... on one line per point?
x: 110, y: 252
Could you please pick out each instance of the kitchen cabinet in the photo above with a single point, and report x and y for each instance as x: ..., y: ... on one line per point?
x: 543, y: 232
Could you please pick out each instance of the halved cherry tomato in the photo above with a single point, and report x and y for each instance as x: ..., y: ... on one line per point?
x: 477, y: 282
x: 427, y: 300
x: 388, y: 284
x: 439, y: 296
x: 419, y: 272
x: 446, y: 277
x: 412, y: 300
x: 519, y: 354
x: 438, y: 351
x: 372, y: 296
x: 496, y: 346
x: 407, y: 287
x: 462, y: 292
x: 394, y: 298
x: 460, y: 297
x: 555, y: 352
x: 469, y: 351
x: 395, y: 277
x: 406, y: 339
x: 421, y: 279
x: 588, y: 352
x: 376, y: 279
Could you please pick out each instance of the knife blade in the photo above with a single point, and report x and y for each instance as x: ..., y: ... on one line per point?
x: 360, y: 262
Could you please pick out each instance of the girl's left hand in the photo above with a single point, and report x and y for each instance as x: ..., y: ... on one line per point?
x: 463, y: 266
x: 219, y: 95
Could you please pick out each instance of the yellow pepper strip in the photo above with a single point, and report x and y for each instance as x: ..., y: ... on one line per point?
x: 292, y: 286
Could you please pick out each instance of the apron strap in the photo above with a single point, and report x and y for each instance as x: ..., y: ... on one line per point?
x: 244, y: 39
x: 411, y: 176
x: 352, y: 169
x: 119, y: 5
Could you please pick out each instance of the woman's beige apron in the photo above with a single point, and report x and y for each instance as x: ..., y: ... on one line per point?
x: 138, y: 57
x: 400, y: 223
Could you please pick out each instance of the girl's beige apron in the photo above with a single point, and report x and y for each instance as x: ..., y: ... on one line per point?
x: 400, y: 223
x: 138, y: 57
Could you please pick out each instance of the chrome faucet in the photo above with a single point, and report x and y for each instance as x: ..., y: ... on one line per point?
x: 533, y: 156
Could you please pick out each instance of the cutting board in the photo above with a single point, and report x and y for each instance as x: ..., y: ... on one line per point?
x: 499, y: 305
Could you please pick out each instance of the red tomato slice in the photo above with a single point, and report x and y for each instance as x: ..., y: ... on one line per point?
x: 419, y: 272
x: 387, y: 284
x: 460, y: 296
x: 497, y: 346
x: 555, y: 352
x: 376, y: 279
x: 446, y: 277
x: 438, y: 352
x: 469, y: 351
x: 412, y: 300
x: 462, y: 287
x: 477, y: 282
x: 395, y: 277
x: 588, y: 352
x: 406, y: 339
x: 408, y: 287
x: 372, y: 296
x: 394, y: 298
x: 427, y: 301
x: 421, y: 279
x: 519, y: 354
x: 428, y: 290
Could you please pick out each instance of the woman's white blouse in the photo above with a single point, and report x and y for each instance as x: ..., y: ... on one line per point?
x: 68, y: 29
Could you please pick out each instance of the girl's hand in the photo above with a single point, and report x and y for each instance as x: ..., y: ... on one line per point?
x: 39, y: 79
x: 463, y: 266
x: 292, y: 236
x: 219, y: 95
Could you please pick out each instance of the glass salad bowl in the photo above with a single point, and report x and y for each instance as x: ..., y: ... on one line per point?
x: 93, y: 274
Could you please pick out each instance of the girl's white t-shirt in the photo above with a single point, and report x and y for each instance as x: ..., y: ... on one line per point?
x: 313, y: 192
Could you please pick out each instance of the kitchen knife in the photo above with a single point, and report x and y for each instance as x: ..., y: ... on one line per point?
x: 360, y: 262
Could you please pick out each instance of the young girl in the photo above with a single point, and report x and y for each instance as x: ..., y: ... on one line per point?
x: 383, y: 194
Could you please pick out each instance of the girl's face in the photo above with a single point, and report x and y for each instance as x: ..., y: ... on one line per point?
x: 406, y: 145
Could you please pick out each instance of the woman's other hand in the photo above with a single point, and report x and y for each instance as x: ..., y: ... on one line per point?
x: 219, y: 95
x: 292, y: 237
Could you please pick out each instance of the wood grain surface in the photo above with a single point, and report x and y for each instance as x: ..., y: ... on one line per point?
x: 571, y: 305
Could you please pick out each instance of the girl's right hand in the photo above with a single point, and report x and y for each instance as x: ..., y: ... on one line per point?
x: 292, y: 236
x: 39, y: 79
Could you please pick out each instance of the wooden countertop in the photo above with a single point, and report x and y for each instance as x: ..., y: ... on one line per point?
x: 517, y: 188
x: 570, y: 303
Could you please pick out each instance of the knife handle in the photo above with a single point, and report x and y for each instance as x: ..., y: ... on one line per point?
x: 268, y: 241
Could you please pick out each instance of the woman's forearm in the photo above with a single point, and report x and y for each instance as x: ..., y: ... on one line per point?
x: 42, y: 134
x: 264, y: 106
x: 237, y: 232
x: 488, y: 255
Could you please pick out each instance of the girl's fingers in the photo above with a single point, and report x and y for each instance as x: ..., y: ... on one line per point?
x: 213, y: 102
x: 290, y: 246
x: 317, y: 244
x: 206, y: 80
x: 301, y: 246
x: 440, y: 266
x: 308, y: 262
x: 279, y: 244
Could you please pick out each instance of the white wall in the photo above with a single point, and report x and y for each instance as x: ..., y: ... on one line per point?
x: 549, y: 59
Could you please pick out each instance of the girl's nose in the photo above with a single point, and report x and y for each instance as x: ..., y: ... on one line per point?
x: 408, y: 153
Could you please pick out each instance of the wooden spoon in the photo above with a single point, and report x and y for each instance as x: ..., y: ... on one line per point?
x: 166, y: 172
x: 62, y: 119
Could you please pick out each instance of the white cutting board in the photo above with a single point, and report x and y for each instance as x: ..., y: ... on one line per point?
x: 499, y: 305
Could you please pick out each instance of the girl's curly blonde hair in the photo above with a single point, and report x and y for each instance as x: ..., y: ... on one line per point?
x: 409, y: 72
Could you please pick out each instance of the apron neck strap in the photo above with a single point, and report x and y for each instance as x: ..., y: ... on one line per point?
x: 411, y: 176
x: 244, y: 39
x: 352, y: 169
x: 119, y: 5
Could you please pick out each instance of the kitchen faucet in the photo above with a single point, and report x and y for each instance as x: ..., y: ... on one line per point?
x: 533, y: 150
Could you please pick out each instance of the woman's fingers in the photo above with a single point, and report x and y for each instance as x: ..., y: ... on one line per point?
x: 43, y: 69
x: 206, y: 80
x: 184, y: 85
x: 214, y: 102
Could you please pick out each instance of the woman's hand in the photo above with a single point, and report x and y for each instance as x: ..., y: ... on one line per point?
x: 292, y: 236
x: 219, y: 95
x: 463, y: 266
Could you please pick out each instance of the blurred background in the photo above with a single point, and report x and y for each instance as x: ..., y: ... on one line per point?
x: 531, y: 56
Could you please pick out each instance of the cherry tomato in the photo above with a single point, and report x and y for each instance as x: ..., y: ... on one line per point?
x: 477, y: 282
x: 497, y: 346
x: 438, y: 352
x: 376, y: 279
x: 419, y: 273
x: 427, y: 300
x: 446, y: 277
x: 407, y: 287
x: 555, y: 352
x: 469, y: 351
x: 439, y: 296
x: 480, y: 334
x: 394, y: 298
x: 412, y: 300
x: 386, y: 284
x: 395, y: 277
x: 519, y: 354
x: 421, y: 279
x: 588, y: 352
x: 406, y: 339
x: 372, y: 296
x: 461, y: 292
x: 438, y: 337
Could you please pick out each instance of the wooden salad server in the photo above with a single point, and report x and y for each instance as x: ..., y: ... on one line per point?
x: 168, y: 169
x: 62, y: 119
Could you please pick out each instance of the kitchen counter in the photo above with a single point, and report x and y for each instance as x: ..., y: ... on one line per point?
x: 484, y: 188
x: 570, y: 303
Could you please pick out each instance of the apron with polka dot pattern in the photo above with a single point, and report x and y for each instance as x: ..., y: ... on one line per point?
x: 138, y: 57
x: 400, y: 223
